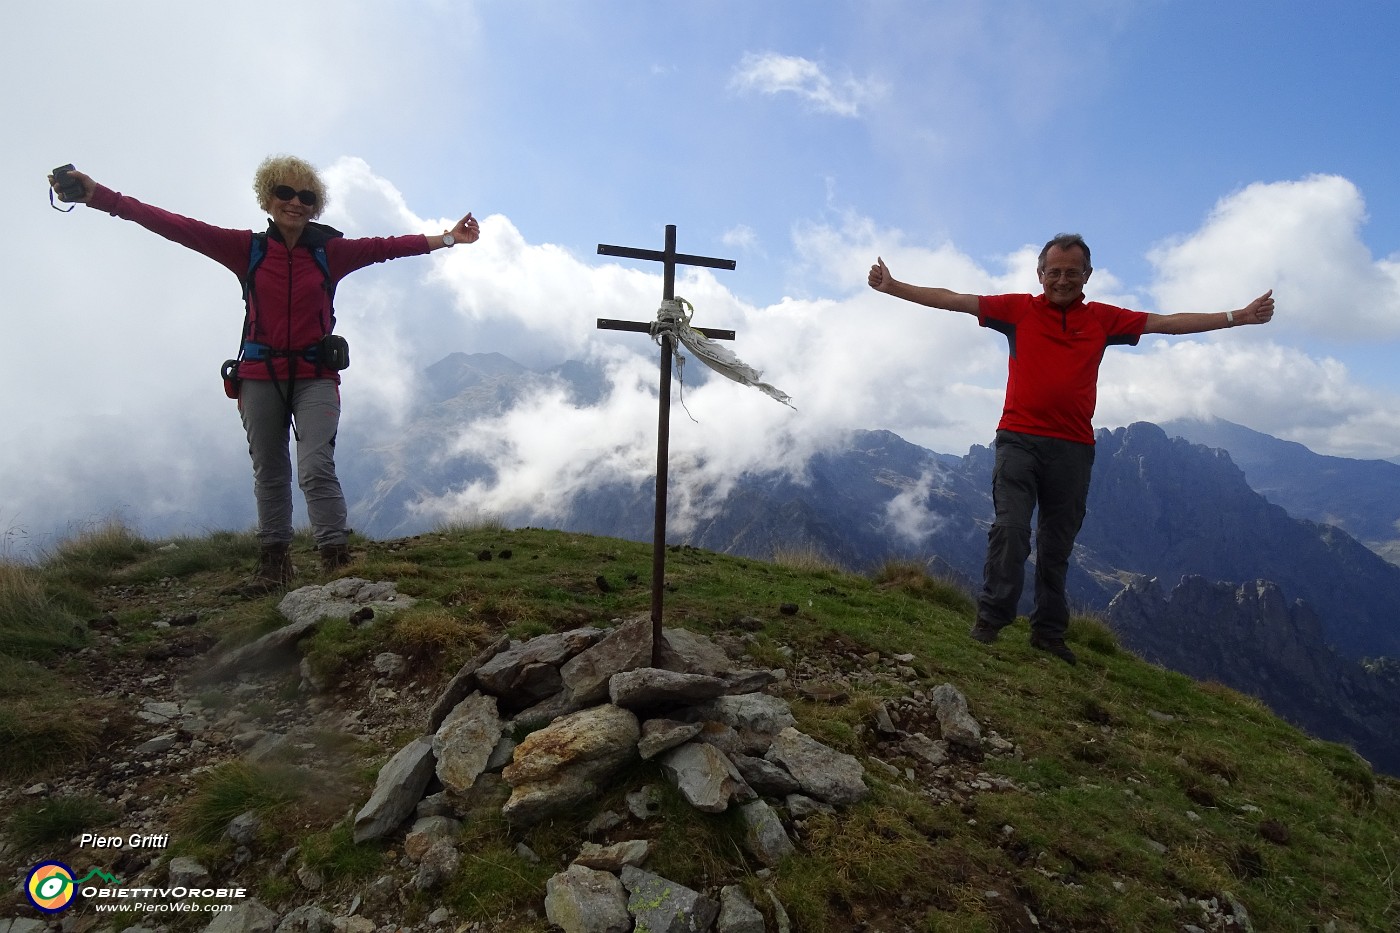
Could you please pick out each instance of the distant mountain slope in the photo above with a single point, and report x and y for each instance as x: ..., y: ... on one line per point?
x: 1360, y: 496
x: 1164, y: 507
x: 1250, y: 637
x: 1166, y: 516
x: 1159, y: 507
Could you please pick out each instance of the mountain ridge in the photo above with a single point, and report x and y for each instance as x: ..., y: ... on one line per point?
x: 1161, y: 508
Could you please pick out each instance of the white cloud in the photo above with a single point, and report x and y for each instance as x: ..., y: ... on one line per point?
x: 1267, y: 386
x: 771, y: 73
x: 1300, y: 238
x: 908, y: 513
x: 741, y: 237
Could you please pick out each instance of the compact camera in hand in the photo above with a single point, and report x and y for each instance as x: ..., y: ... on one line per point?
x: 68, y: 187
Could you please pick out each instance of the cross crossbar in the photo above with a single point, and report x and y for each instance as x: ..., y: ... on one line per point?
x: 643, y: 327
x: 656, y: 255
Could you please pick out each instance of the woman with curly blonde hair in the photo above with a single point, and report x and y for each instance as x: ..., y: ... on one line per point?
x: 287, y: 380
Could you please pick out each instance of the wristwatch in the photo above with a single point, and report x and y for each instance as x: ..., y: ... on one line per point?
x: 448, y: 239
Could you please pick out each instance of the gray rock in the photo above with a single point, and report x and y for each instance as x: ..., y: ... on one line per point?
x: 502, y: 754
x: 307, y: 919
x: 756, y: 717
x: 612, y: 858
x: 800, y: 806
x: 397, y: 791
x: 437, y: 866
x: 737, y: 914
x: 243, y: 828
x: 383, y: 890
x: 463, y: 683
x: 662, y: 906
x: 529, y: 672
x: 340, y: 599
x: 608, y: 819
x: 389, y: 664
x: 249, y: 916
x: 752, y: 681
x: 764, y: 835
x: 692, y: 653
x: 656, y: 688
x: 705, y: 776
x: 725, y: 738
x: 546, y: 711
x: 765, y: 777
x: 584, y: 900
x: 921, y: 746
x: 644, y: 802
x: 464, y: 742
x: 660, y: 734
x: 822, y: 771
x: 161, y: 743
x: 625, y: 648
x: 439, y: 826
x: 780, y: 916
x: 568, y: 761
x: 958, y: 726
x: 24, y: 925
x: 433, y: 805
x: 158, y: 712
x: 185, y: 872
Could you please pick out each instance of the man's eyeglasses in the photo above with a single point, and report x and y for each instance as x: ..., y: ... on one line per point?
x: 287, y: 192
x: 1069, y: 275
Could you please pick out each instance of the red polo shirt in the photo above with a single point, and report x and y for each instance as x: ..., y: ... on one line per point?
x: 1053, y: 372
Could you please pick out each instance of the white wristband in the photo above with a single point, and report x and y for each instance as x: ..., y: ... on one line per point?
x: 1229, y: 317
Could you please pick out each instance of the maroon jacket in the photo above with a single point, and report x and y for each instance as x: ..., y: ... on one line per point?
x: 291, y: 307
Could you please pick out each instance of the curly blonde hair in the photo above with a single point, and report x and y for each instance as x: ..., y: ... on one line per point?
x: 288, y: 170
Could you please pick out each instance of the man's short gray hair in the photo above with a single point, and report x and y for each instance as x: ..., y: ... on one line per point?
x: 1064, y: 241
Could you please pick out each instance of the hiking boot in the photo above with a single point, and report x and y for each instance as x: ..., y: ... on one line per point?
x: 985, y: 633
x: 1055, y: 646
x: 274, y: 571
x: 334, y: 556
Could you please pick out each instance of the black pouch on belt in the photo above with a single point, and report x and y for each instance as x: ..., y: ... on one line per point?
x: 332, y: 352
x: 232, y: 382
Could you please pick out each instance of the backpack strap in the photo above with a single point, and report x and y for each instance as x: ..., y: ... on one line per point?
x: 314, y: 237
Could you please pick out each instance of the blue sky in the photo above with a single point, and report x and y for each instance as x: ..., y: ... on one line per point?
x: 1207, y: 150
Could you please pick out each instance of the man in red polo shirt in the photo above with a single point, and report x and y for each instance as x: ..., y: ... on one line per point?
x: 1045, y: 439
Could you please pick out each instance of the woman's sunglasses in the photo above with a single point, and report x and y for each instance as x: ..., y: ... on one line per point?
x: 287, y: 192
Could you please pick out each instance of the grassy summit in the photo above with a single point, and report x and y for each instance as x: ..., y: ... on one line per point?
x: 1114, y: 795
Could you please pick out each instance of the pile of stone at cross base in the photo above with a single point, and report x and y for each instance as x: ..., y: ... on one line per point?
x: 596, y: 704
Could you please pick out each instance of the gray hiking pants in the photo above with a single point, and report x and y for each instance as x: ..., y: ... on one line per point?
x: 316, y: 407
x: 1031, y: 473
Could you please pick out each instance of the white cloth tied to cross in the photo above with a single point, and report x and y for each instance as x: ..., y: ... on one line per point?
x: 673, y: 320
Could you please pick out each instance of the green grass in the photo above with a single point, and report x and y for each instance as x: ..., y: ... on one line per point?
x: 1129, y: 787
x: 55, y: 820
x: 232, y: 789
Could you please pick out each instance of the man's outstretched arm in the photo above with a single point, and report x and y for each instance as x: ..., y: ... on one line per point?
x: 1258, y: 311
x: 881, y: 280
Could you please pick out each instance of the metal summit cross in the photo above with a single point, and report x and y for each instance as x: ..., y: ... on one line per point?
x: 669, y: 259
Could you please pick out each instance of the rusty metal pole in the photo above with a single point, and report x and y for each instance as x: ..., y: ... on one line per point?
x: 663, y: 452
